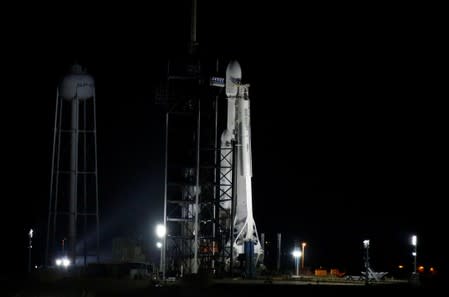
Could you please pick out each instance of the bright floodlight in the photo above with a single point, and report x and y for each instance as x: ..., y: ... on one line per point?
x: 296, y: 253
x: 65, y: 262
x: 31, y: 233
x: 414, y: 254
x: 160, y: 230
x: 159, y: 244
x: 414, y: 240
x: 366, y: 243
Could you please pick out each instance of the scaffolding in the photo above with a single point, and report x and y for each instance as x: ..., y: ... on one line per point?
x: 197, y: 227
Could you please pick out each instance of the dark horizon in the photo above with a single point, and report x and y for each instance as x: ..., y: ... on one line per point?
x: 346, y: 137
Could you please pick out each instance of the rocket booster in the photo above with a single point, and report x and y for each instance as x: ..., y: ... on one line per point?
x: 238, y: 129
x: 243, y: 118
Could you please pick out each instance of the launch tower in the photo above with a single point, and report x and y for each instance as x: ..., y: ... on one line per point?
x: 207, y: 196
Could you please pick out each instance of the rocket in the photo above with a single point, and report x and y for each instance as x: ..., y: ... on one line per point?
x: 238, y: 130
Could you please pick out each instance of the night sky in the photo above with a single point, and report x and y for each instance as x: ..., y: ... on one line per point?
x: 347, y: 120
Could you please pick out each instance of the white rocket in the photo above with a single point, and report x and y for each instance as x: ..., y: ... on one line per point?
x: 238, y: 130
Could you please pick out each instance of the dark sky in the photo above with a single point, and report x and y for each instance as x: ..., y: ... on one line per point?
x: 347, y: 122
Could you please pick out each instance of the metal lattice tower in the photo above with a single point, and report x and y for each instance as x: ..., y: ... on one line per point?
x: 197, y: 230
x: 73, y: 214
x: 192, y: 171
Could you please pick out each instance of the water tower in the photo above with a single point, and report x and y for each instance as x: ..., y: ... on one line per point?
x: 73, y: 220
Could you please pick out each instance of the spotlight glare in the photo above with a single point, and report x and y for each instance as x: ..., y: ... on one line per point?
x: 366, y: 243
x: 65, y: 262
x: 296, y: 253
x: 160, y: 231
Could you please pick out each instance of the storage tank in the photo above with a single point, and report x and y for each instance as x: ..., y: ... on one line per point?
x: 77, y: 84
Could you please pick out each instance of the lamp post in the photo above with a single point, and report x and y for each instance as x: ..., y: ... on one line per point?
x: 159, y: 246
x: 303, y: 245
x: 30, y: 246
x: 62, y: 244
x: 296, y: 255
x: 160, y: 233
x: 414, y: 253
x: 366, y: 246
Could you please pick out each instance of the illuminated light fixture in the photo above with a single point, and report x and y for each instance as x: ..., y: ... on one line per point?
x: 366, y: 246
x: 296, y: 253
x: 366, y: 243
x: 401, y: 266
x: 64, y: 262
x: 303, y: 245
x: 160, y: 231
x: 414, y: 242
x: 159, y: 244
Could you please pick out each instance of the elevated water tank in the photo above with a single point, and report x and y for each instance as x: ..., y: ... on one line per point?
x: 77, y: 84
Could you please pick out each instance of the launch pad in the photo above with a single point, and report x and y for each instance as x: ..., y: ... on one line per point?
x: 208, y: 194
x: 208, y: 167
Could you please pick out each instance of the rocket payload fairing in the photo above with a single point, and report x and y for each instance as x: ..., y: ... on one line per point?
x: 238, y: 130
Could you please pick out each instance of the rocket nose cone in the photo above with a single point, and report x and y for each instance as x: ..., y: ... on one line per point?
x: 234, y: 70
x: 233, y: 77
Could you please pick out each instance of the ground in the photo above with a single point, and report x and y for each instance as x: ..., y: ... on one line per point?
x: 200, y: 287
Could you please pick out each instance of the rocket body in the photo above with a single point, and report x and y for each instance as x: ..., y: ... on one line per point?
x: 238, y: 130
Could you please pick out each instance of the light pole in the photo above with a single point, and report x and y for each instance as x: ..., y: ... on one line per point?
x: 296, y: 255
x: 160, y: 233
x: 30, y: 246
x: 303, y: 245
x: 414, y: 253
x: 63, y: 241
x: 366, y: 246
x: 159, y: 246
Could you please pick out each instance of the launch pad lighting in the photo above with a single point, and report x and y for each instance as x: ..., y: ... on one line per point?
x: 296, y: 255
x: 64, y: 262
x: 160, y: 231
x: 366, y: 243
x: 414, y: 253
x: 303, y: 245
